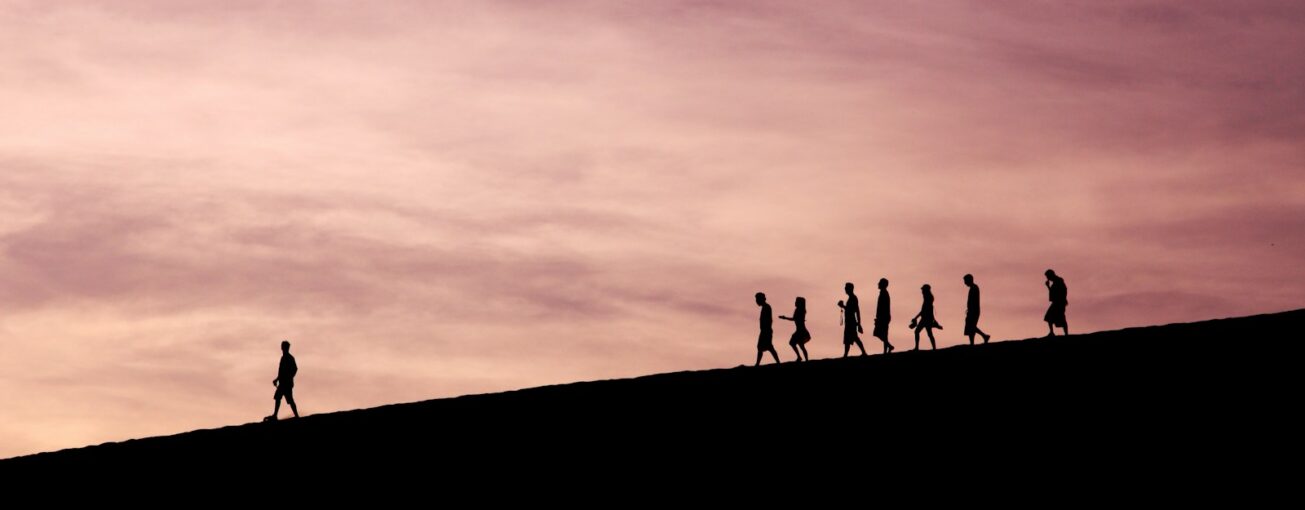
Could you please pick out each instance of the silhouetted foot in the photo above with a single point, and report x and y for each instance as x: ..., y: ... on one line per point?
x: 269, y: 418
x: 986, y: 337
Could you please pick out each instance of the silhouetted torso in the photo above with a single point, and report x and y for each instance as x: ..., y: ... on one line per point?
x: 972, y: 304
x: 765, y: 317
x: 852, y: 313
x: 926, y: 311
x: 800, y: 318
x: 883, y: 311
x: 1059, y: 294
x: 286, y: 373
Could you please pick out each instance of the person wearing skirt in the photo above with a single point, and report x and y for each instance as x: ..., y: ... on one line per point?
x: 800, y: 335
x: 1058, y: 294
x: 925, y: 319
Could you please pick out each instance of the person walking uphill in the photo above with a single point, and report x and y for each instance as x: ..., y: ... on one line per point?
x: 925, y: 319
x: 285, y: 382
x: 851, y: 321
x: 1058, y: 294
x: 765, y: 341
x: 800, y: 334
x: 972, y: 311
x: 883, y: 316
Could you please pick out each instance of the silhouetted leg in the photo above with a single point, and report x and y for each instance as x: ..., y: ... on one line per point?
x: 932, y: 345
x: 276, y: 410
x: 759, y: 353
x: 917, y: 339
x: 775, y: 354
x: 796, y: 351
x: 1051, y: 329
x: 846, y: 348
x: 290, y: 399
x: 982, y: 334
x: 971, y: 335
x: 805, y: 355
x: 861, y: 346
x: 1066, y: 328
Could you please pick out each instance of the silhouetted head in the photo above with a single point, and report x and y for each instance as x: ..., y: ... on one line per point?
x: 847, y: 287
x: 883, y: 283
x: 761, y: 298
x: 800, y: 303
x: 969, y: 279
x: 926, y: 290
x: 1051, y: 275
x: 285, y: 346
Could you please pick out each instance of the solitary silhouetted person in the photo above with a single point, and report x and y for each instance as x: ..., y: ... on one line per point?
x: 851, y: 321
x: 285, y: 382
x: 1058, y: 294
x: 765, y: 340
x: 925, y: 319
x: 800, y: 335
x: 972, y: 311
x: 883, y: 315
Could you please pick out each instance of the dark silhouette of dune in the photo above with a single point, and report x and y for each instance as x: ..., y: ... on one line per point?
x: 1179, y: 398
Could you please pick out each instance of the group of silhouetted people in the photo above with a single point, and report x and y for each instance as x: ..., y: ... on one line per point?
x: 850, y: 320
x: 923, y: 321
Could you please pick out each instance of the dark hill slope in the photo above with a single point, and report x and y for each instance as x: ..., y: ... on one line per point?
x: 1210, y: 395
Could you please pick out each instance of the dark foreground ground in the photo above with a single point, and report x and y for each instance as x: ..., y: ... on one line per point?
x: 1180, y: 406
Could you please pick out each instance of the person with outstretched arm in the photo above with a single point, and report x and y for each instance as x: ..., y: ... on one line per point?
x: 800, y: 335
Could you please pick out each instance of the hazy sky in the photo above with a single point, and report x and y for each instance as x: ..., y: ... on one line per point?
x: 434, y: 198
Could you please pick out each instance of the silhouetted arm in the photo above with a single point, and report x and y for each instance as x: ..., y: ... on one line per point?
x: 786, y: 318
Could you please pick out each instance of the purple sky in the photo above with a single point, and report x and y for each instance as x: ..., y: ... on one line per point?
x: 436, y: 198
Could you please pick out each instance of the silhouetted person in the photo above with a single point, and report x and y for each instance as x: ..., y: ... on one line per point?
x: 800, y: 335
x: 925, y: 320
x: 883, y: 315
x: 851, y: 321
x: 972, y: 311
x: 765, y: 340
x: 285, y: 382
x: 1058, y: 294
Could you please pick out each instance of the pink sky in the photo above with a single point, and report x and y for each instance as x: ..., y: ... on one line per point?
x: 435, y: 198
